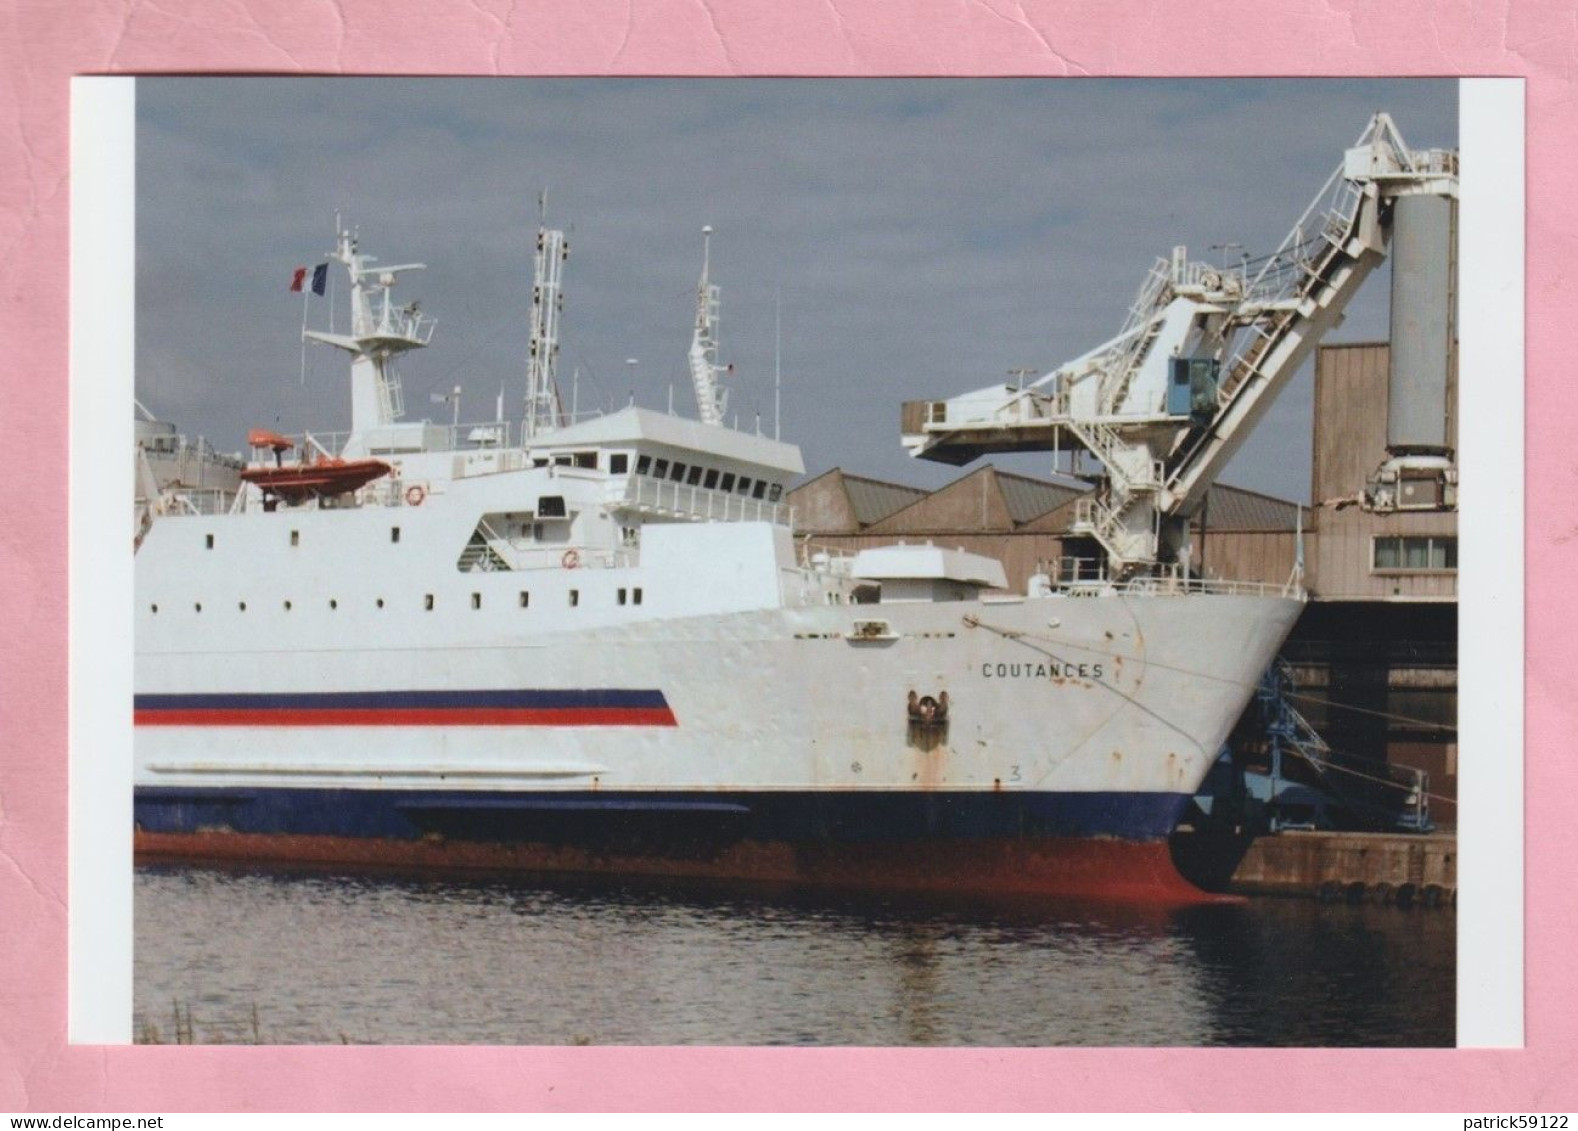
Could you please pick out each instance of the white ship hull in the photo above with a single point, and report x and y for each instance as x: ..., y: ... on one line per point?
x: 769, y: 742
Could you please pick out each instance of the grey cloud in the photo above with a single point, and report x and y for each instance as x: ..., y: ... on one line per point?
x: 925, y: 235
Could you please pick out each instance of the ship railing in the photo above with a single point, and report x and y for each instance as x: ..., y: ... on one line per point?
x: 1176, y: 584
x: 683, y: 501
x: 819, y: 558
x: 1072, y: 576
x: 199, y: 501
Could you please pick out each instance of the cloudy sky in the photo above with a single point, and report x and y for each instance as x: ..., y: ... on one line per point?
x: 925, y: 236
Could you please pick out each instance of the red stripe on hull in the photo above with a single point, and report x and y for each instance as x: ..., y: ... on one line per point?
x: 414, y: 717
x: 1080, y: 869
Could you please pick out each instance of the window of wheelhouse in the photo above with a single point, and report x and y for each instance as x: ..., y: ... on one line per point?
x: 618, y: 463
x: 712, y: 478
x: 728, y: 482
x: 744, y: 486
x: 760, y: 490
x: 643, y: 464
x: 694, y: 477
x: 660, y: 469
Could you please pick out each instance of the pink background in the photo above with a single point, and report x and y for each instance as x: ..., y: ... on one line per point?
x: 44, y: 42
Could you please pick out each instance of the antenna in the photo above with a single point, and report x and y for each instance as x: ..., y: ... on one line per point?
x: 778, y: 356
x: 711, y: 400
x: 547, y: 303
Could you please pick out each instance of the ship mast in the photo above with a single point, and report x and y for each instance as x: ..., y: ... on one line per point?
x: 711, y: 398
x: 543, y: 409
x: 379, y: 331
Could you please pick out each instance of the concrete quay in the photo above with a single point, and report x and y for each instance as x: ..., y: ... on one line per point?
x: 1400, y: 868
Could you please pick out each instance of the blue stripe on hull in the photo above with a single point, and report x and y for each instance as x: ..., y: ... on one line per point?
x: 556, y: 699
x: 658, y: 821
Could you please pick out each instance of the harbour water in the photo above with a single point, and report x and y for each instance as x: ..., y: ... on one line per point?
x: 286, y: 957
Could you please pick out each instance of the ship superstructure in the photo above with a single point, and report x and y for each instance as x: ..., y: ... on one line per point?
x: 599, y: 646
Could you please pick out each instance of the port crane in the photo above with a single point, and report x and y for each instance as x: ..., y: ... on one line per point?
x: 1165, y: 404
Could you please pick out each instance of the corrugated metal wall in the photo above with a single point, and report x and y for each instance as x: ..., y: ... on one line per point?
x: 1351, y: 399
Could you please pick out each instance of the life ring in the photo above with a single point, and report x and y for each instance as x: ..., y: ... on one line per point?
x: 414, y: 495
x: 571, y: 559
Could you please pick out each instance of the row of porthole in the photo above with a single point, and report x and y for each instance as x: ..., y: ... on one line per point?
x: 633, y: 596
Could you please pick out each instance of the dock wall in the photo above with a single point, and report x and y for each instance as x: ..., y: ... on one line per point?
x: 1358, y: 867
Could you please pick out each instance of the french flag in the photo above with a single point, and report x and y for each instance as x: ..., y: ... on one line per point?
x: 320, y: 278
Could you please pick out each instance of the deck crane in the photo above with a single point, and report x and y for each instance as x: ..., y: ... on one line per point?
x: 1165, y: 404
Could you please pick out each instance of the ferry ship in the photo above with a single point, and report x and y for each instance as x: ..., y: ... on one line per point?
x: 597, y: 645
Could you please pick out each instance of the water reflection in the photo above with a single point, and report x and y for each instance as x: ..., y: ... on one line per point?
x: 324, y: 958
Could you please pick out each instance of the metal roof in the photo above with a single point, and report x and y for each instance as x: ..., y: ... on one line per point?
x: 1028, y: 498
x: 1233, y: 508
x: 872, y: 500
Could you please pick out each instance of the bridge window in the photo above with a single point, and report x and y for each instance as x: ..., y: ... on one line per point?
x: 776, y: 493
x: 660, y: 469
x: 694, y: 477
x: 678, y: 474
x: 712, y: 478
x: 643, y: 464
x: 586, y: 459
x: 728, y: 482
x: 618, y: 463
x: 760, y: 490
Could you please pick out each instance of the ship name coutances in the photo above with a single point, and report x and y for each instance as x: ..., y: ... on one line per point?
x: 1041, y: 671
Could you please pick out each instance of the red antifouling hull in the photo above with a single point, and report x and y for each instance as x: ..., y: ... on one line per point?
x: 1068, y: 868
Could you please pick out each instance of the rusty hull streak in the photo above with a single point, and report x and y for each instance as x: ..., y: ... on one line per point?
x: 1101, y: 870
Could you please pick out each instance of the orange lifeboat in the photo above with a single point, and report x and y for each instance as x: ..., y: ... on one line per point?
x: 300, y: 482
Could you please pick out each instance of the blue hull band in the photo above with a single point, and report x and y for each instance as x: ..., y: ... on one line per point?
x: 649, y: 820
